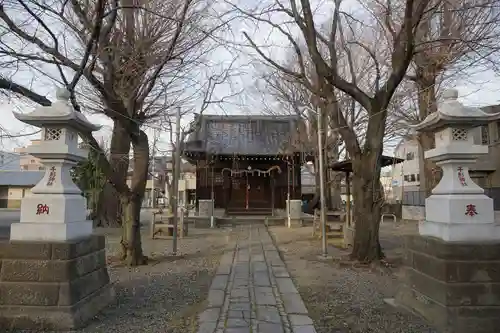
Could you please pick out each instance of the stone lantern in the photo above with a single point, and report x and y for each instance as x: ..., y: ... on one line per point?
x: 451, y: 278
x: 458, y: 209
x: 55, y: 210
x: 54, y: 273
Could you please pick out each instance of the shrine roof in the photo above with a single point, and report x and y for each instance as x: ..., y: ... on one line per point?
x: 346, y: 165
x: 243, y: 135
x: 20, y: 178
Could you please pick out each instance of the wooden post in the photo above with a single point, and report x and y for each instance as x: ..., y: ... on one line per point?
x: 349, y: 228
x: 153, y: 222
x: 181, y: 223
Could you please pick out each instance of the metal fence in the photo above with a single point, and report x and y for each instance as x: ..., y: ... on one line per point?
x: 417, y: 198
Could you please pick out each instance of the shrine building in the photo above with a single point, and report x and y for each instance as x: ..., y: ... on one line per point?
x: 246, y: 164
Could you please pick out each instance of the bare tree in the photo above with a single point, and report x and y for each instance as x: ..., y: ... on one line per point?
x: 130, y: 54
x: 372, y: 94
x: 294, y: 99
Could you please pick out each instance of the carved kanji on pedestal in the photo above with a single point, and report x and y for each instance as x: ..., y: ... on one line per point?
x: 42, y: 209
x: 470, y: 210
x: 461, y: 176
x: 52, y: 176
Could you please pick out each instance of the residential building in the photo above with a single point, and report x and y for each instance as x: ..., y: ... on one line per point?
x: 405, y: 175
x: 28, y: 162
x: 386, y: 179
x: 15, y: 185
x: 187, y: 184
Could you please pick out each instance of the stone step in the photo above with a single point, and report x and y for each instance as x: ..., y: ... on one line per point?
x: 335, y: 234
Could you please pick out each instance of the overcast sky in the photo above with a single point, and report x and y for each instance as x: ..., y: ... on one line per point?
x: 480, y: 89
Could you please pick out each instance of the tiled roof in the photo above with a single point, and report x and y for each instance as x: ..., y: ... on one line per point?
x: 245, y: 135
x: 10, y: 161
x: 20, y: 178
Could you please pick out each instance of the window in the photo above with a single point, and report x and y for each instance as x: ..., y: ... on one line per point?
x: 412, y: 178
x: 407, y: 178
x: 410, y: 156
x: 32, y: 161
x: 418, y: 177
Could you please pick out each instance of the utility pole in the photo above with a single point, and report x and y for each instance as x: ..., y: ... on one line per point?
x: 177, y: 167
x: 153, y: 176
x: 288, y: 211
x: 212, y: 196
x: 322, y: 182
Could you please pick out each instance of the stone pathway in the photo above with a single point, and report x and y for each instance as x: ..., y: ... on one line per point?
x: 252, y: 291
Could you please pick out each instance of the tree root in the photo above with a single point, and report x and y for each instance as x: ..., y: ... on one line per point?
x: 129, y: 256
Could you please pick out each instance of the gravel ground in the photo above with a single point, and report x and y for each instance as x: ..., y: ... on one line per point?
x: 343, y: 298
x: 166, y: 295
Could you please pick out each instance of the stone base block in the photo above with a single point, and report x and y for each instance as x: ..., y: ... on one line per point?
x: 348, y: 235
x: 454, y: 286
x: 50, y: 232
x: 294, y: 223
x: 53, y: 285
x: 200, y: 222
x: 205, y: 207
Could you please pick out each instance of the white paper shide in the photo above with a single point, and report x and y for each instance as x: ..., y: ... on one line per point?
x: 55, y: 210
x: 458, y: 210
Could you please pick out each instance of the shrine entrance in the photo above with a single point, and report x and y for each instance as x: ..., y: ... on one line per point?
x: 258, y: 192
x: 251, y: 189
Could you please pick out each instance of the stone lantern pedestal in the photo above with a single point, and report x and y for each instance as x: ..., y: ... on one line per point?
x: 452, y: 268
x: 53, y: 270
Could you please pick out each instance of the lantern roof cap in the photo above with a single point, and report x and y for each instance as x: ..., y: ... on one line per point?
x: 452, y: 113
x: 61, y: 113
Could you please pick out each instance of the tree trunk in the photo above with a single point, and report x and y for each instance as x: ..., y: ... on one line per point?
x: 132, y: 253
x: 109, y: 212
x: 367, y: 210
x: 336, y: 189
x: 328, y: 189
x: 426, y: 84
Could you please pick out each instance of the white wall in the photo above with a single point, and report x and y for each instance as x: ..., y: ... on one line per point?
x: 405, y: 175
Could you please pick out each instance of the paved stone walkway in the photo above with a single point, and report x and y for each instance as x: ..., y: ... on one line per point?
x: 252, y: 291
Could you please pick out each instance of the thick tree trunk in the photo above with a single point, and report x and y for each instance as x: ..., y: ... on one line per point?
x: 336, y: 190
x: 367, y: 211
x: 109, y: 213
x: 131, y: 204
x: 426, y: 84
x: 131, y: 243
